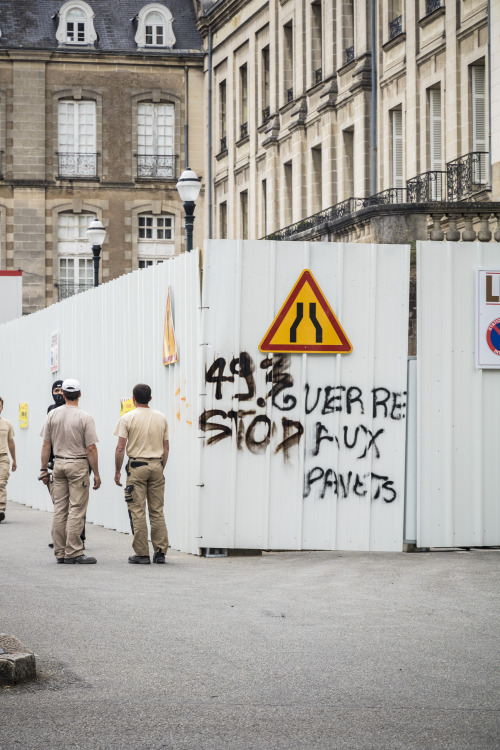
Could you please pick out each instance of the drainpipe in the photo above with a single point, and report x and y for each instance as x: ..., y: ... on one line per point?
x: 373, y: 128
x: 489, y: 94
x: 209, y: 155
x: 186, y: 121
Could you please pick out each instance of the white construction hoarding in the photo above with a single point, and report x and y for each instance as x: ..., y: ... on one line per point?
x: 303, y: 451
x: 458, y: 424
x: 269, y: 449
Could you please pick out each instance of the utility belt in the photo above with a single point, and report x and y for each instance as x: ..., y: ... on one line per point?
x: 134, y: 462
x: 73, y: 458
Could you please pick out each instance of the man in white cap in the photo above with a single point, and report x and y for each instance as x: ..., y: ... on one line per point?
x: 71, y: 432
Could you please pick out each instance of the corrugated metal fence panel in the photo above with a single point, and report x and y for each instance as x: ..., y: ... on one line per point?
x: 110, y: 339
x: 458, y: 405
x: 332, y: 487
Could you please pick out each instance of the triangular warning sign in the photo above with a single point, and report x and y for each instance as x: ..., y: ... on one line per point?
x: 306, y: 323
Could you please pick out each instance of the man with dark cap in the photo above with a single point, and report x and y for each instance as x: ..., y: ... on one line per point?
x: 57, y: 395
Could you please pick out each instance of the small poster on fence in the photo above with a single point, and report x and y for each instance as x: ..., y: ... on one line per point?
x: 126, y: 404
x: 23, y: 416
x: 169, y: 343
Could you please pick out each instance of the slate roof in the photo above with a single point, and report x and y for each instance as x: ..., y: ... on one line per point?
x: 32, y: 24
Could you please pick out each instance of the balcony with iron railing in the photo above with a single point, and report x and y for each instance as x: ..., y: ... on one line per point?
x: 427, y: 187
x: 77, y: 166
x: 66, y: 289
x: 463, y: 179
x: 155, y: 167
x: 467, y: 175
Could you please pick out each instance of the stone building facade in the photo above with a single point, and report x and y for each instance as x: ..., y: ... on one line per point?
x: 99, y: 113
x: 353, y: 119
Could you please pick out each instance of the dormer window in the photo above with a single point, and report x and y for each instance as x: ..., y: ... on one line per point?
x: 76, y: 24
x: 154, y: 27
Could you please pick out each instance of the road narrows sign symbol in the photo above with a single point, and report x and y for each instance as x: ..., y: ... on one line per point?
x: 306, y: 323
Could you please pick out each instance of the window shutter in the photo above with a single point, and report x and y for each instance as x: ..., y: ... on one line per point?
x: 397, y: 148
x: 478, y: 109
x: 436, y: 149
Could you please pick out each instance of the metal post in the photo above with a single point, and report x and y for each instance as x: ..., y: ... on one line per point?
x: 189, y: 222
x: 96, y: 250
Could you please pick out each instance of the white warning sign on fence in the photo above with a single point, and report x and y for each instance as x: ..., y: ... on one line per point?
x: 488, y: 318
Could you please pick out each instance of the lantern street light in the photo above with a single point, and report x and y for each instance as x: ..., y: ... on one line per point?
x: 95, y: 235
x: 188, y: 188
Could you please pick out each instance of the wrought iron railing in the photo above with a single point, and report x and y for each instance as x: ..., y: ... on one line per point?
x: 464, y: 177
x: 289, y: 95
x: 467, y: 175
x: 155, y: 166
x: 266, y: 114
x: 318, y: 75
x: 65, y: 290
x: 431, y: 6
x: 395, y: 27
x: 390, y: 196
x: 339, y: 211
x: 427, y: 187
x: 77, y: 165
x: 223, y: 143
x: 349, y: 54
x: 244, y: 130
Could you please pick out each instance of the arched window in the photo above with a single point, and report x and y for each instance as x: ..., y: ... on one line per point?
x: 76, y: 24
x: 75, y: 264
x: 154, y: 27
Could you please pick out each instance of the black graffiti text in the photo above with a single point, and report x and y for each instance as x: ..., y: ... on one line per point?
x: 255, y: 431
x: 349, y: 483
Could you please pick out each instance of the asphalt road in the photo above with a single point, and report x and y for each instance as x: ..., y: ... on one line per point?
x: 286, y: 651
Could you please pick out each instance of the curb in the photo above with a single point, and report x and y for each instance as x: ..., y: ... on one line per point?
x: 17, y: 663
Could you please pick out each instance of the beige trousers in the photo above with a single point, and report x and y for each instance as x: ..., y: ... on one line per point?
x: 146, y: 483
x: 70, y: 495
x: 4, y: 476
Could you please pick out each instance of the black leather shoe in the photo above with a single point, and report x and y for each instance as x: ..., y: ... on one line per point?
x: 140, y: 559
x: 159, y: 557
x: 2, y: 516
x: 80, y: 560
x: 60, y: 560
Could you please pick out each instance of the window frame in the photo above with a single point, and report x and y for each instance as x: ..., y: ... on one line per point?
x: 168, y: 32
x: 79, y: 148
x: 154, y: 247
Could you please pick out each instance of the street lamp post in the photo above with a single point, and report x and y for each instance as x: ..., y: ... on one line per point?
x: 188, y: 188
x: 95, y: 235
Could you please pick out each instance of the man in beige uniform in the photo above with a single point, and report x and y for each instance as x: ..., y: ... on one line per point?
x: 71, y: 432
x: 6, y: 442
x: 144, y: 432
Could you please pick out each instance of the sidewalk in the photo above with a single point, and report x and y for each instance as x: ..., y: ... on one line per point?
x: 287, y: 651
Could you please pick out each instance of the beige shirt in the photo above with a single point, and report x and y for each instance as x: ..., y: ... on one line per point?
x: 70, y: 430
x: 145, y: 431
x: 6, y: 434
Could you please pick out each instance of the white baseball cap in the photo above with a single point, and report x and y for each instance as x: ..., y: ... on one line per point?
x: 71, y: 385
